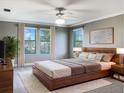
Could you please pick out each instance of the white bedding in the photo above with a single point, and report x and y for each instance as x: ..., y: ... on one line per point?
x: 53, y: 69
x: 56, y: 70
x: 106, y: 65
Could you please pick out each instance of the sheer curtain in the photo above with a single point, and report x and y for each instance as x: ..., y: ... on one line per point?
x: 52, y: 48
x: 21, y: 53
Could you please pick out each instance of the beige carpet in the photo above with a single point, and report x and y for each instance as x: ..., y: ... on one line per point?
x: 33, y: 85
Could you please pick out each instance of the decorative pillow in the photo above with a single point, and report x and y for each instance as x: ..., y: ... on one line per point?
x: 107, y: 57
x: 92, y: 56
x: 99, y: 57
x: 83, y: 55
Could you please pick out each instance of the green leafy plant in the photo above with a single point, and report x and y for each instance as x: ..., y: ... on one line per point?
x: 11, y: 46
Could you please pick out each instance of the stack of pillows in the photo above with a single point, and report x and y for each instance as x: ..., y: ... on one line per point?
x: 97, y: 57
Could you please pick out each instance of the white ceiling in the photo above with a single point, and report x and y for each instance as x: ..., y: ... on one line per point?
x: 43, y: 11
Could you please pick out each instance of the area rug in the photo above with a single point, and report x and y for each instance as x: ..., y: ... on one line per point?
x: 33, y: 85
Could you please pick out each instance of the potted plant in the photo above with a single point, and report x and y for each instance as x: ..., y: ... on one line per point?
x: 11, y: 48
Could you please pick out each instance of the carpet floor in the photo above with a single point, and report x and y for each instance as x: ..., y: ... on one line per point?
x: 33, y: 85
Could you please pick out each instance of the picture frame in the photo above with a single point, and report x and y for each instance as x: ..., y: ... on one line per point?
x: 102, y: 36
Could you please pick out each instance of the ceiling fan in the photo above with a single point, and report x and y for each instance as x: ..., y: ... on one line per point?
x: 60, y: 16
x: 63, y: 12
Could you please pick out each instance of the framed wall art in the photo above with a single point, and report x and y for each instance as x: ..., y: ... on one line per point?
x: 102, y: 36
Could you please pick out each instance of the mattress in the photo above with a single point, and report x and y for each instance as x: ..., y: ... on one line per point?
x: 52, y: 69
x: 106, y: 65
x: 56, y: 70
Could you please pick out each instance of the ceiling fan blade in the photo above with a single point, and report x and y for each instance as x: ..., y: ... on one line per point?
x: 71, y: 12
x: 45, y: 11
x: 46, y: 3
x: 83, y: 10
x: 74, y: 17
x: 72, y: 2
x: 53, y: 3
x: 70, y: 17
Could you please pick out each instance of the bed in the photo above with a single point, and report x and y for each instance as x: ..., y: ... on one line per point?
x: 60, y: 73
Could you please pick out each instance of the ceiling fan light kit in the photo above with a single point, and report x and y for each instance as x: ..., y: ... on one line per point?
x: 60, y: 21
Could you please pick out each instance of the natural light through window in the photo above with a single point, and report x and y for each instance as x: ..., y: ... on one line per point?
x: 44, y: 41
x: 30, y: 40
x: 37, y: 40
x: 78, y: 37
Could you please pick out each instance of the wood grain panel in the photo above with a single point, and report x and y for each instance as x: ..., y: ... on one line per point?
x: 53, y: 84
x: 6, y: 78
x: 100, y: 50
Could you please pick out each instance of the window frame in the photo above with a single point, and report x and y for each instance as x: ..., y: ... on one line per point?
x: 31, y: 40
x: 48, y: 42
x: 74, y: 37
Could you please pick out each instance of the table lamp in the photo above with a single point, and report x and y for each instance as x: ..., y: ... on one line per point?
x: 121, y: 52
x: 77, y: 51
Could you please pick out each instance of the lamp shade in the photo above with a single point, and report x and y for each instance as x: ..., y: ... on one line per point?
x: 120, y: 50
x: 77, y: 49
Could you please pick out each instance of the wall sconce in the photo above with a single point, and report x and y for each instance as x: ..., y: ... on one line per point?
x: 121, y: 52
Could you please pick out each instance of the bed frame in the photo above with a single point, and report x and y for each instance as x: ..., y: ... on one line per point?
x: 53, y: 84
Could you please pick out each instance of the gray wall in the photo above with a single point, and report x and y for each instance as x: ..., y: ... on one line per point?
x: 8, y: 29
x: 116, y: 22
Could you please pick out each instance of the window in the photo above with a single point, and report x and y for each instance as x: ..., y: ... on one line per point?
x: 30, y: 40
x: 37, y: 37
x: 78, y: 37
x: 44, y: 41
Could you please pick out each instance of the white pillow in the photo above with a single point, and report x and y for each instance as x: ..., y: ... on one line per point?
x: 92, y: 56
x: 83, y: 55
x: 107, y: 57
x: 99, y: 57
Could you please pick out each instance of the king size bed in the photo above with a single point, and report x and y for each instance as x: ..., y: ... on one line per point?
x: 60, y: 73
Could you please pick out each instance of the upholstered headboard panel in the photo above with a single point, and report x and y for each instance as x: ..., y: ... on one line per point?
x: 104, y: 50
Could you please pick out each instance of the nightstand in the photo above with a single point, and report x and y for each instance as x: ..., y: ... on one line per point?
x: 117, y: 72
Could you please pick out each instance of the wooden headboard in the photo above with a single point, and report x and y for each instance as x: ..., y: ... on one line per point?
x: 104, y: 50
